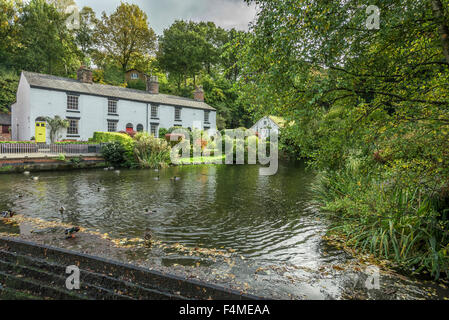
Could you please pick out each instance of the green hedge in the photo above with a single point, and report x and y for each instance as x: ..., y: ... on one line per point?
x: 58, y: 142
x: 110, y: 137
x: 18, y: 142
x: 126, y: 141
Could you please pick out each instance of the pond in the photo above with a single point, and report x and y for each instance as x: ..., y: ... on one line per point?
x: 269, y: 223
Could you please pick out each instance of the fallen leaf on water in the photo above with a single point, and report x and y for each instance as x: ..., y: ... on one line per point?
x: 336, y: 267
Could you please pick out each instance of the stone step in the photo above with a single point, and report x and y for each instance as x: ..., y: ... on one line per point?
x: 58, y: 282
x: 11, y: 294
x: 35, y: 288
x: 135, y: 282
x: 88, y: 278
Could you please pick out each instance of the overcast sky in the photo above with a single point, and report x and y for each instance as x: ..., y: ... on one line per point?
x: 162, y: 13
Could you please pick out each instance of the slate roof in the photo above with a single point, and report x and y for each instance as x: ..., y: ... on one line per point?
x: 38, y: 80
x: 5, y: 119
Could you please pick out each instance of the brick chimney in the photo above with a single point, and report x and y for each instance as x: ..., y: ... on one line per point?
x: 84, y: 75
x: 152, y: 84
x: 198, y: 95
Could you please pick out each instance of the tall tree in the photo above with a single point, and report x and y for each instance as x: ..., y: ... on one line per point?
x: 46, y: 43
x: 9, y: 14
x: 124, y: 34
x: 84, y: 35
x: 181, y: 49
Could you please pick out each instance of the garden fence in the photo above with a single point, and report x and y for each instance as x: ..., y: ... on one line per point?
x: 54, y: 149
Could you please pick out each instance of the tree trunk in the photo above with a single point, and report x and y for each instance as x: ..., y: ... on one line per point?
x: 438, y: 12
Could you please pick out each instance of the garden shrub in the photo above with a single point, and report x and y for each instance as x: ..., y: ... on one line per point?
x: 125, y: 140
x: 151, y: 152
x: 114, y: 153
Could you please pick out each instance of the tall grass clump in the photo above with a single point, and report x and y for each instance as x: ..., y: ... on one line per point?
x: 151, y: 152
x: 405, y: 223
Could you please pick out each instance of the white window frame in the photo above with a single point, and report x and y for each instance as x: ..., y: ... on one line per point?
x: 112, y: 106
x: 156, y: 115
x: 72, y: 102
x: 73, y: 130
x: 114, y: 123
x: 154, y: 126
x: 178, y: 111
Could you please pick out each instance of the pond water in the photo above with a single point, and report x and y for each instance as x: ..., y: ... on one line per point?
x: 270, y: 221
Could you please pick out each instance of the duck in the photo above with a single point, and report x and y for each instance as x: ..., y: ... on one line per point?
x: 61, y: 210
x: 117, y: 171
x: 5, y: 214
x: 156, y: 170
x: 157, y: 178
x: 148, y: 236
x: 71, y: 232
x: 175, y: 178
x: 35, y: 178
x: 27, y: 173
x: 148, y: 211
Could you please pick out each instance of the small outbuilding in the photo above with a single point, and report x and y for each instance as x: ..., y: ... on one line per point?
x: 268, y: 124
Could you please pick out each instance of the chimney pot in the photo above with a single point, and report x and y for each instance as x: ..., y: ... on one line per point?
x: 84, y: 75
x: 152, y: 84
x: 198, y: 95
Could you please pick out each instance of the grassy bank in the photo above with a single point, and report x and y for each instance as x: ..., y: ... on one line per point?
x: 406, y: 224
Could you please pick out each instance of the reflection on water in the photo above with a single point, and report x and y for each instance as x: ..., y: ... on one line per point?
x: 270, y: 217
x: 269, y: 220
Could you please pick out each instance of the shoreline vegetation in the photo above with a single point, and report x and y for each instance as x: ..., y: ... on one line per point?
x: 370, y: 113
x: 366, y: 105
x: 142, y: 150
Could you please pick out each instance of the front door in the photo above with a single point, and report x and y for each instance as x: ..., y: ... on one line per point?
x: 40, y: 132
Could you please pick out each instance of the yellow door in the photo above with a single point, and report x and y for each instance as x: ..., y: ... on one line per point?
x: 40, y: 132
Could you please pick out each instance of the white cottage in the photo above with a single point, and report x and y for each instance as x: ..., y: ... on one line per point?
x: 268, y: 124
x: 91, y: 107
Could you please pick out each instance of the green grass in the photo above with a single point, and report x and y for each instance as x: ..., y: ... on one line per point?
x: 403, y: 225
x: 6, y: 168
x: 202, y: 159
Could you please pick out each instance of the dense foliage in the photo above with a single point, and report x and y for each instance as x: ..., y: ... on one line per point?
x: 39, y: 36
x: 151, y: 152
x: 371, y: 113
x: 114, y: 153
x: 140, y: 151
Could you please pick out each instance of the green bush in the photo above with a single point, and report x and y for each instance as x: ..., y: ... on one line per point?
x: 162, y: 133
x: 125, y: 140
x: 110, y: 137
x: 18, y: 142
x: 114, y: 153
x: 151, y: 152
x: 403, y: 223
x: 137, y: 84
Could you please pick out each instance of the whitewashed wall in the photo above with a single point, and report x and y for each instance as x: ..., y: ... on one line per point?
x: 20, y: 113
x: 264, y: 126
x: 93, y: 113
